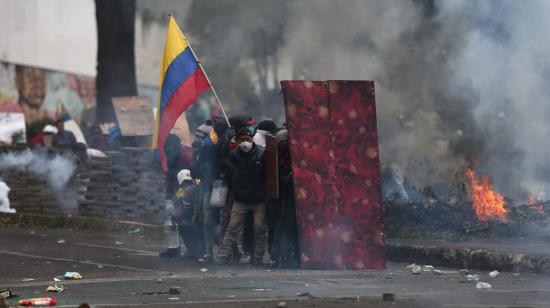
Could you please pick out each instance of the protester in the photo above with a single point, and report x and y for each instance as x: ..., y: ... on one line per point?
x: 265, y: 127
x: 63, y: 140
x: 48, y: 133
x: 186, y: 207
x: 285, y: 251
x: 208, y: 170
x: 200, y: 133
x: 247, y: 166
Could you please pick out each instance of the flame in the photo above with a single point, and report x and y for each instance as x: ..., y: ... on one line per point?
x: 488, y: 204
x: 535, y: 204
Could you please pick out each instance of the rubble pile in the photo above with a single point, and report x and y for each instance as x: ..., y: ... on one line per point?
x: 457, y: 220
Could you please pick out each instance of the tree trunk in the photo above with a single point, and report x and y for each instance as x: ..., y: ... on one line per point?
x: 116, y: 75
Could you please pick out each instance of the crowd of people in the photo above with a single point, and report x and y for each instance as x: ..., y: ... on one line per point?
x: 216, y: 195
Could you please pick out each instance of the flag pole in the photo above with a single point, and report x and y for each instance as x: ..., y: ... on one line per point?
x: 207, y: 79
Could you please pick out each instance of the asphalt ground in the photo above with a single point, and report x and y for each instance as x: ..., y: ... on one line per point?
x: 123, y: 270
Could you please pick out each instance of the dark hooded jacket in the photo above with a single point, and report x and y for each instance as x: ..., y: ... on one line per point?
x: 248, y: 176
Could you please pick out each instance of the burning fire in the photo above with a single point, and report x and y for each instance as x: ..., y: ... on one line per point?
x: 488, y: 204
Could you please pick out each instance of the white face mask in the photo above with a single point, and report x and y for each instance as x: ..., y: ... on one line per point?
x: 245, y: 146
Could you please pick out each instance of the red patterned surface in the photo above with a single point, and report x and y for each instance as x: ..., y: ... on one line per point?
x: 334, y: 148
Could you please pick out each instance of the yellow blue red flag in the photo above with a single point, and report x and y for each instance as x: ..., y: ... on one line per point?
x: 181, y: 81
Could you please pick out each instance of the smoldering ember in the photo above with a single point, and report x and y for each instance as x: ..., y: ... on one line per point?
x: 274, y: 153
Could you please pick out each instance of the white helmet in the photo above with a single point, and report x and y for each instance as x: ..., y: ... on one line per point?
x: 184, y: 175
x: 49, y: 129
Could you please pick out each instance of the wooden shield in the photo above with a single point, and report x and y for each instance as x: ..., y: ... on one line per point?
x: 272, y: 167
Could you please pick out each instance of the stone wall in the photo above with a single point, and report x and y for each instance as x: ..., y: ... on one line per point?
x: 126, y: 185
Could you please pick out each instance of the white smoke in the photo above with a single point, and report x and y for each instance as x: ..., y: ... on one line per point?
x: 56, y: 169
x: 506, y: 62
x: 458, y: 83
x: 4, y: 199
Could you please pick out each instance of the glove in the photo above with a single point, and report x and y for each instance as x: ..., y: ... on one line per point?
x: 169, y: 206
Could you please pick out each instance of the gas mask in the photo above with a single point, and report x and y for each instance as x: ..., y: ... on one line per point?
x: 245, y: 146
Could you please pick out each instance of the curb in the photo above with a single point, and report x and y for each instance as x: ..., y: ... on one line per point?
x: 76, y: 222
x: 468, y: 258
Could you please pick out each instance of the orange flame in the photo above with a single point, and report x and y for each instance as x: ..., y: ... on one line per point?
x: 488, y: 204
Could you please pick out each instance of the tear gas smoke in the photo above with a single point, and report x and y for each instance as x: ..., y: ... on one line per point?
x: 56, y: 169
x: 459, y: 83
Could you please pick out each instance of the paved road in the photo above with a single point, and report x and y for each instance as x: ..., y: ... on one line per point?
x: 122, y: 270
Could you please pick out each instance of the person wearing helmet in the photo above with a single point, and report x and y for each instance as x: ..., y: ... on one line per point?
x: 47, y: 136
x: 185, y: 210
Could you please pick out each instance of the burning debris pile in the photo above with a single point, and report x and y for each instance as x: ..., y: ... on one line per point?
x: 487, y: 213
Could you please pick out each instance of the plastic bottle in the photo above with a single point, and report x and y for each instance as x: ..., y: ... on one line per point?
x: 41, y: 301
x: 171, y: 234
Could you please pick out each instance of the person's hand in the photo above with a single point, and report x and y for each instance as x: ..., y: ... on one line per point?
x: 169, y: 206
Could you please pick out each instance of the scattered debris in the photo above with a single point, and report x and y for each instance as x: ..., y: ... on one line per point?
x: 305, y: 294
x: 427, y: 268
x: 119, y: 243
x: 27, y: 279
x: 388, y: 297
x: 281, y: 304
x: 174, y: 290
x: 7, y: 293
x: 156, y: 293
x: 483, y: 285
x: 55, y: 288
x: 203, y: 270
x: 61, y: 241
x: 464, y: 272
x: 415, y: 269
x: 437, y: 272
x: 471, y: 278
x: 56, y: 279
x: 72, y: 276
x: 40, y: 301
x: 136, y: 230
x: 494, y: 274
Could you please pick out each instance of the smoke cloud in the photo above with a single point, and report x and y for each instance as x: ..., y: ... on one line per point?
x: 459, y: 83
x: 56, y: 169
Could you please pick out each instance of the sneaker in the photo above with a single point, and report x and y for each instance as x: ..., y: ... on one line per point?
x: 170, y: 253
x: 223, y: 261
x: 205, y: 258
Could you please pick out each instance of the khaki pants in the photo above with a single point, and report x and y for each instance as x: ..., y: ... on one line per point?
x: 236, y: 226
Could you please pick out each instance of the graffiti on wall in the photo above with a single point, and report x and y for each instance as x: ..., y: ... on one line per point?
x: 43, y: 95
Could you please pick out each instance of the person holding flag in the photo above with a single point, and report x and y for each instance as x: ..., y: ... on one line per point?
x: 182, y: 79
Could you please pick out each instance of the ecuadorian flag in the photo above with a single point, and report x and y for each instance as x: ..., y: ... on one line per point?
x: 181, y: 81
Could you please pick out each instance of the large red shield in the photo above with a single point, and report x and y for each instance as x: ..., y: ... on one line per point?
x: 334, y: 148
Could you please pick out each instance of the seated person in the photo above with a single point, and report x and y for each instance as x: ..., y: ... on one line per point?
x: 63, y: 140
